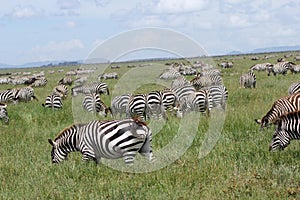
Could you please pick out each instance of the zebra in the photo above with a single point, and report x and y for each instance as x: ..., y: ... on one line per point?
x: 137, y: 106
x: 287, y: 129
x: 200, y: 82
x: 96, y: 87
x: 61, y: 90
x: 280, y: 107
x: 248, y: 80
x: 294, y: 88
x: 3, y: 113
x: 182, y: 92
x: 169, y: 74
x: 295, y: 69
x: 53, y: 101
x: 25, y: 94
x: 67, y: 80
x: 179, y: 81
x: 260, y: 66
x: 7, y: 96
x: 41, y: 82
x: 169, y: 100
x: 280, y: 68
x: 219, y: 96
x: 199, y: 101
x: 112, y: 139
x: 93, y: 103
x: 119, y: 104
x: 155, y: 107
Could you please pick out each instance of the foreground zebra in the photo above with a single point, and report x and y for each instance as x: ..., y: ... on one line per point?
x: 219, y: 95
x: 137, y: 106
x: 155, y: 108
x: 53, y: 101
x: 248, y: 80
x: 93, y: 103
x: 25, y: 94
x: 280, y: 107
x: 3, y: 113
x: 294, y: 88
x: 104, y: 139
x: 7, y: 96
x: 119, y: 104
x: 287, y: 129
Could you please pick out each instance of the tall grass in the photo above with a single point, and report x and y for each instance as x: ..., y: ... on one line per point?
x: 239, y: 165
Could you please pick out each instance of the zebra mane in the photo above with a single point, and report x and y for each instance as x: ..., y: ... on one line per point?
x: 138, y: 121
x: 66, y: 131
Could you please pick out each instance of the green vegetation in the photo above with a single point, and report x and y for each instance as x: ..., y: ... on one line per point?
x: 239, y: 166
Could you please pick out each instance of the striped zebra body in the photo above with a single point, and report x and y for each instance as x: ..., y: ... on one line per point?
x: 169, y: 100
x: 287, y: 129
x: 25, y: 94
x: 219, y: 96
x: 179, y: 81
x: 93, y: 103
x: 200, y: 101
x: 170, y: 74
x: 104, y: 139
x: 67, y: 80
x: 261, y: 67
x: 7, y: 96
x: 97, y: 87
x: 210, y: 72
x: 294, y: 88
x: 53, y: 101
x: 280, y: 68
x: 137, y: 106
x: 280, y: 107
x: 248, y: 80
x: 155, y: 108
x: 119, y: 104
x: 3, y: 113
x: 61, y: 90
x: 41, y: 82
x: 182, y: 92
x: 295, y: 69
x: 200, y: 82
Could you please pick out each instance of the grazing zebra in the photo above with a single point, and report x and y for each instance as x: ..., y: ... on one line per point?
x: 200, y: 82
x: 182, y: 92
x: 200, y: 101
x: 25, y: 94
x: 53, y: 101
x: 169, y: 100
x: 295, y: 69
x: 179, y: 81
x: 41, y: 82
x: 119, y: 104
x: 170, y: 74
x: 61, y: 90
x: 93, y: 103
x: 104, y: 139
x: 96, y: 87
x: 294, y: 88
x: 137, y: 106
x: 260, y: 67
x: 7, y: 96
x: 282, y: 106
x: 210, y: 72
x: 219, y: 96
x: 155, y: 107
x: 248, y: 80
x: 280, y: 68
x: 67, y: 80
x: 287, y: 129
x: 3, y: 113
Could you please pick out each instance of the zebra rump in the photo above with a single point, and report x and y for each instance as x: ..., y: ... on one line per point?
x: 3, y: 113
x: 287, y: 129
x: 93, y: 103
x: 53, y: 101
x: 104, y: 139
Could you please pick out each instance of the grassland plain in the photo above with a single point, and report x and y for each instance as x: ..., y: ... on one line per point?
x: 239, y: 166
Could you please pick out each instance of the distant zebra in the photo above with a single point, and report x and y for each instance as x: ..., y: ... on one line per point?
x: 170, y: 74
x: 40, y: 82
x: 119, y: 104
x: 93, y: 103
x: 137, y: 106
x: 287, y: 129
x: 294, y: 88
x: 155, y: 108
x: 96, y: 87
x: 104, y: 139
x: 7, y: 96
x: 53, y: 101
x: 280, y: 107
x: 3, y: 113
x: 295, y: 69
x: 67, y: 80
x: 280, y: 68
x: 260, y: 67
x: 248, y: 80
x: 25, y: 94
x: 200, y: 101
x: 219, y: 96
x: 210, y: 72
x: 200, y: 82
x: 61, y: 90
x: 179, y: 81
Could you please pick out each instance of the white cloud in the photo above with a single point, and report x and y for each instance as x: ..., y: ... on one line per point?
x: 68, y: 4
x: 24, y: 12
x: 180, y: 6
x: 239, y: 21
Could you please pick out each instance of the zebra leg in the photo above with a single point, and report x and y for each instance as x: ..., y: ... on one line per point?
x: 129, y: 157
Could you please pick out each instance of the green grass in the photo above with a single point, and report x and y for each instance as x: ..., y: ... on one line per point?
x: 239, y: 166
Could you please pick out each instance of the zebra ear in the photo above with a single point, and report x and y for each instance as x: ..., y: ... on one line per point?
x: 52, y: 142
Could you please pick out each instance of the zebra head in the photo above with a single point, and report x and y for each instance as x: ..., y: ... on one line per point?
x: 264, y: 122
x: 279, y: 141
x: 57, y: 156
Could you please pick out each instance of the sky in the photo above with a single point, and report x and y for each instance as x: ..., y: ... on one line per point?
x: 35, y: 30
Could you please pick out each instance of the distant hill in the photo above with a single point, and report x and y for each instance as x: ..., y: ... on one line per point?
x: 276, y: 49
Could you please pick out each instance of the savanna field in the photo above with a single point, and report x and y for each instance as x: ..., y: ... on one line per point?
x: 239, y: 165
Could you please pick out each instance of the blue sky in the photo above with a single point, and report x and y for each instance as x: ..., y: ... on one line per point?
x: 35, y: 30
